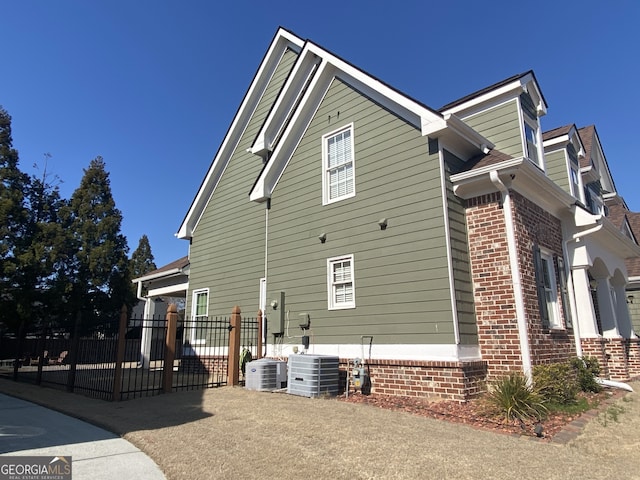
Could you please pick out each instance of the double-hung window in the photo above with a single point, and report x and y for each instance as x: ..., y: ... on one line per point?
x: 340, y: 283
x: 531, y: 138
x: 199, y: 313
x: 338, y: 178
x: 575, y: 181
x: 547, y: 288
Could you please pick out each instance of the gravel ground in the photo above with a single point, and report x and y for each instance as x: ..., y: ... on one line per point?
x: 232, y: 433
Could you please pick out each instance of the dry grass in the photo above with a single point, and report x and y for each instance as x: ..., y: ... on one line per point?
x: 233, y: 433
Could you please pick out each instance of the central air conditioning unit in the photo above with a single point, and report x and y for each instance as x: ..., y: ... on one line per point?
x: 265, y: 375
x: 313, y: 375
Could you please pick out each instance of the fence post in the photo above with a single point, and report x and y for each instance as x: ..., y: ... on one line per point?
x: 170, y: 348
x: 259, y: 334
x: 122, y: 335
x: 73, y: 354
x: 233, y: 366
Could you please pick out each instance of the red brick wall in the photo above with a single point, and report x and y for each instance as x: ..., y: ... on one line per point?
x: 535, y: 226
x: 493, y: 286
x: 459, y: 381
x: 634, y: 358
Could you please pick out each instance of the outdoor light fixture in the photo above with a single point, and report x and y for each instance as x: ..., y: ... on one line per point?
x: 382, y: 223
x: 322, y: 237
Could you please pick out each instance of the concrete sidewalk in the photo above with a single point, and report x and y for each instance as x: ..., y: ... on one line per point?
x: 29, y: 429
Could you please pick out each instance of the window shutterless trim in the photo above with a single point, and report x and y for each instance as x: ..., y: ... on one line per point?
x: 344, y: 287
x: 348, y: 167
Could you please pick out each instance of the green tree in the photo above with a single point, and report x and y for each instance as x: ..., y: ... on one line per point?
x: 13, y: 213
x: 39, y: 251
x: 97, y: 272
x: 142, y: 259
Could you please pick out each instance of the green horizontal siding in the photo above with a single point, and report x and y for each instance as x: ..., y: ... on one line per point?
x: 556, y: 166
x: 463, y: 285
x: 501, y: 126
x: 227, y: 249
x: 401, y: 274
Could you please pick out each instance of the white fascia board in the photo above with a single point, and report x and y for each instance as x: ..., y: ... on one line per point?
x: 163, y: 274
x: 521, y: 175
x: 169, y: 290
x: 562, y: 140
x: 627, y: 247
x: 293, y: 134
x: 279, y: 45
x: 384, y: 93
x: 468, y: 175
x: 515, y: 86
x: 302, y: 70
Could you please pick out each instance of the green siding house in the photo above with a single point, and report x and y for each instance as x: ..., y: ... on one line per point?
x: 448, y: 236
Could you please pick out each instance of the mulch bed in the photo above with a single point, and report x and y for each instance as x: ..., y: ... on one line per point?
x: 475, y: 413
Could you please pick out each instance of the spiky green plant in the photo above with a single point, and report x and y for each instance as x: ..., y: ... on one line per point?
x: 516, y: 399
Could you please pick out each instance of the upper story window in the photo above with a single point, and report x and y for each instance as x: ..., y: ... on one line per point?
x: 338, y: 180
x: 575, y: 181
x: 532, y: 143
x: 594, y: 200
x: 340, y: 283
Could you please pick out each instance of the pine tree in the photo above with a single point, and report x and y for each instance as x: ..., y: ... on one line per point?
x: 39, y: 251
x: 142, y: 259
x: 97, y: 266
x: 13, y: 215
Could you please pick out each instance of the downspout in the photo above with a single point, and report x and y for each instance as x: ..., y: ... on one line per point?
x: 266, y: 281
x: 515, y: 274
x: 572, y: 293
x: 265, y: 160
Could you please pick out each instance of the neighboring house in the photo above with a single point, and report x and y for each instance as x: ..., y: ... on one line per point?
x: 466, y: 242
x: 155, y: 291
x: 629, y: 222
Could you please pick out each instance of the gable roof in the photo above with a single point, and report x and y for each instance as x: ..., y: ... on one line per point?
x: 591, y: 141
x: 523, y: 81
x: 282, y: 41
x: 556, y: 132
x: 303, y: 93
x: 175, y: 267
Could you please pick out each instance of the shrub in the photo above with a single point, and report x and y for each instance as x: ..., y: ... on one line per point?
x: 516, y: 399
x: 587, y: 369
x: 557, y: 383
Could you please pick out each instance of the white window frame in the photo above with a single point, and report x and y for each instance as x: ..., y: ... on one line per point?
x: 551, y: 288
x: 576, y: 186
x: 195, y: 315
x: 535, y: 129
x: 333, y: 285
x: 326, y: 197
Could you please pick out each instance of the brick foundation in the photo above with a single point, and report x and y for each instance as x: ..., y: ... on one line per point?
x: 619, y: 358
x: 213, y: 365
x: 634, y: 358
x: 459, y: 381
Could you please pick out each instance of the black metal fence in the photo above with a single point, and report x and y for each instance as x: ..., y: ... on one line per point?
x: 89, y: 363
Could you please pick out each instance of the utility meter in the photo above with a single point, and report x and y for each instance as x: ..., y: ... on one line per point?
x: 358, y: 374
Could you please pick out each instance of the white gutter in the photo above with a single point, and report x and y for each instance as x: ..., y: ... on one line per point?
x: 572, y: 293
x: 515, y: 274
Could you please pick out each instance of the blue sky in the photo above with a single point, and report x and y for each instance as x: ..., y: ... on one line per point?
x: 152, y: 86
